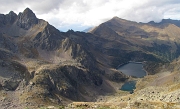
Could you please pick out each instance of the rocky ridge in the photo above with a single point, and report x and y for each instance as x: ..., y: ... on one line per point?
x: 41, y: 66
x: 157, y: 40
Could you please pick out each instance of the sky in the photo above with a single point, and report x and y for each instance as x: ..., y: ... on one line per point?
x: 82, y: 14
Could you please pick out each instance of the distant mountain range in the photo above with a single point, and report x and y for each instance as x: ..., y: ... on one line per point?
x: 170, y: 21
x: 40, y: 66
x: 88, y: 29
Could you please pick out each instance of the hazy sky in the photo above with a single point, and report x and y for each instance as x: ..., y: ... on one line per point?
x: 81, y: 14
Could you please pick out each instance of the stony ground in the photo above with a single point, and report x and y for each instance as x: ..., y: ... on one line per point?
x: 160, y: 91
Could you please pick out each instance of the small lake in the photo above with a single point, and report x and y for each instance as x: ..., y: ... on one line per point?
x: 133, y: 69
x: 128, y: 86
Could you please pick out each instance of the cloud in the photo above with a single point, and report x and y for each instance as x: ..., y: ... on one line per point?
x: 84, y: 13
x: 40, y: 7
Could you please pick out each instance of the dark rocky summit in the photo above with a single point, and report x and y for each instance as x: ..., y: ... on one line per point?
x: 26, y: 19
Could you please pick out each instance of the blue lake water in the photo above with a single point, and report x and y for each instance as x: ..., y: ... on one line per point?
x: 133, y: 69
x: 128, y: 86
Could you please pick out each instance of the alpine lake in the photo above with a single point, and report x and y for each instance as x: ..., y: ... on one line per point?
x: 134, y: 69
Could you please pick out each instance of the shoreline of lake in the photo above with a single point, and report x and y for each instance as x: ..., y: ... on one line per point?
x: 125, y: 69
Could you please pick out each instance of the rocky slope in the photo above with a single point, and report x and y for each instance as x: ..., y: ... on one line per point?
x: 41, y: 66
x: 153, y: 91
x: 158, y: 39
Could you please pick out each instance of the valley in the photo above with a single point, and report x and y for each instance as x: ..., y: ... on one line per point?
x: 41, y: 67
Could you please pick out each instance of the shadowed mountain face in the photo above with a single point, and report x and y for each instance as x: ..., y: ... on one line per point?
x: 160, y: 40
x: 39, y: 65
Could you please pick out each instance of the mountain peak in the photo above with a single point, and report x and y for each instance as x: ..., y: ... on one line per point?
x: 12, y: 13
x: 27, y: 9
x: 117, y: 18
x: 29, y: 13
x: 27, y: 19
